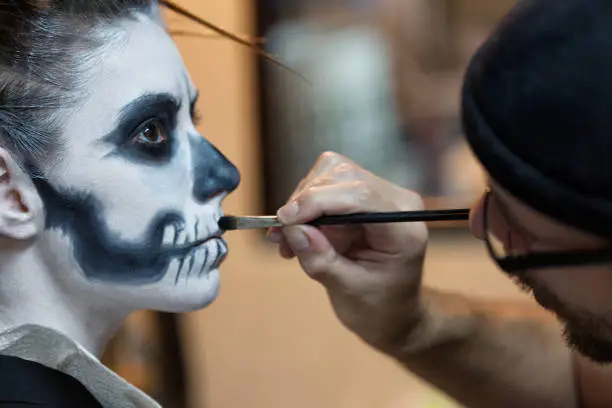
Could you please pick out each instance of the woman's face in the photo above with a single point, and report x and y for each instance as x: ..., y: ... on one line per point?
x: 133, y: 202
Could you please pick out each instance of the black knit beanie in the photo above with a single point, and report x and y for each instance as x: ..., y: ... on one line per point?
x: 537, y: 109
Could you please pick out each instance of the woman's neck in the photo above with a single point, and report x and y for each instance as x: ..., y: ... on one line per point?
x: 30, y: 295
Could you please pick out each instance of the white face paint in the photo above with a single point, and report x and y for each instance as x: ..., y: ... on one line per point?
x: 133, y: 202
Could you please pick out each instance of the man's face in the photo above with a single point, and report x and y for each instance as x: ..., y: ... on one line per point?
x: 133, y: 202
x: 579, y: 296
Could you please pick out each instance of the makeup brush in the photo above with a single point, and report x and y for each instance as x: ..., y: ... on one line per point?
x: 230, y: 223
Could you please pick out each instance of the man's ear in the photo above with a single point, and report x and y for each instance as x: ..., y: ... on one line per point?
x: 21, y: 209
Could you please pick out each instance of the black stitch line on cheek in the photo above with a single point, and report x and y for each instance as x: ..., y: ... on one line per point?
x: 179, y: 229
x: 218, y: 259
x: 192, y: 259
x: 175, y: 243
x: 178, y: 272
x: 180, y: 268
x: 222, y: 256
x: 203, y: 270
x: 197, y: 229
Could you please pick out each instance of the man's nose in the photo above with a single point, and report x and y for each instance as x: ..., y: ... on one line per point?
x: 477, y: 214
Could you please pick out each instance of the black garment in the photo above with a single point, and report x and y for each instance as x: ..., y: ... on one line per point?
x: 26, y: 384
x: 536, y: 109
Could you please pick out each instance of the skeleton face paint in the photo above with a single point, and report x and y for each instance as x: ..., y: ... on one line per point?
x: 132, y: 205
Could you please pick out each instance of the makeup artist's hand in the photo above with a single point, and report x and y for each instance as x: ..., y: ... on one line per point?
x: 373, y: 272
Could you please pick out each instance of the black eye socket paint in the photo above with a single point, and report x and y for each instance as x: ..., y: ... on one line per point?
x: 150, y: 114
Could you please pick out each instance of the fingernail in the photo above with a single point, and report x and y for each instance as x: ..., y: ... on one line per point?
x: 274, y: 237
x: 288, y: 212
x: 297, y: 239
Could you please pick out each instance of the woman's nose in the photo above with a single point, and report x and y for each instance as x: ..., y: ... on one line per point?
x: 213, y: 173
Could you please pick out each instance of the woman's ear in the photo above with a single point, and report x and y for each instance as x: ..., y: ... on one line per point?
x: 21, y: 209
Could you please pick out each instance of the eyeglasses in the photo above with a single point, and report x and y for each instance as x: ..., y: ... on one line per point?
x: 537, y: 260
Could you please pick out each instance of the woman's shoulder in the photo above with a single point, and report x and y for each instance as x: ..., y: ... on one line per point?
x: 24, y: 382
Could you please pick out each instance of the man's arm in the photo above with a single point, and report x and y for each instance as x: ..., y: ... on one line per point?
x: 482, y: 353
x: 490, y: 353
x: 500, y: 354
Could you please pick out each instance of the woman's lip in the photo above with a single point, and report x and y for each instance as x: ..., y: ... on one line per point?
x: 192, y: 245
x: 205, y: 241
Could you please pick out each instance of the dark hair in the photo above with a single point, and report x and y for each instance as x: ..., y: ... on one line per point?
x: 43, y: 46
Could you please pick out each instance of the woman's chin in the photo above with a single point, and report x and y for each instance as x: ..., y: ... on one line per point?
x: 192, y: 295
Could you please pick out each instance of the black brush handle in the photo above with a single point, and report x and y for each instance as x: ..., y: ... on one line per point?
x: 392, y: 217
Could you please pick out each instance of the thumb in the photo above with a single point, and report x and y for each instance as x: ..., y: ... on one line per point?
x: 318, y: 257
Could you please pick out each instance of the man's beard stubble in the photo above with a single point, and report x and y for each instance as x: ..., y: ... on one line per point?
x: 582, y: 331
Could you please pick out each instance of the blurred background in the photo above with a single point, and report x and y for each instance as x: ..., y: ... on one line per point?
x: 385, y: 78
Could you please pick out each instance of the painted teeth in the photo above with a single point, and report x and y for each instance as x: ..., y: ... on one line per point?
x: 202, y: 258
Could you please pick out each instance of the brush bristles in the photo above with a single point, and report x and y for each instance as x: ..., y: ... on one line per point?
x: 230, y: 223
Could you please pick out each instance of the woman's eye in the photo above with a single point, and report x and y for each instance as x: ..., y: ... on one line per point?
x: 151, y: 133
